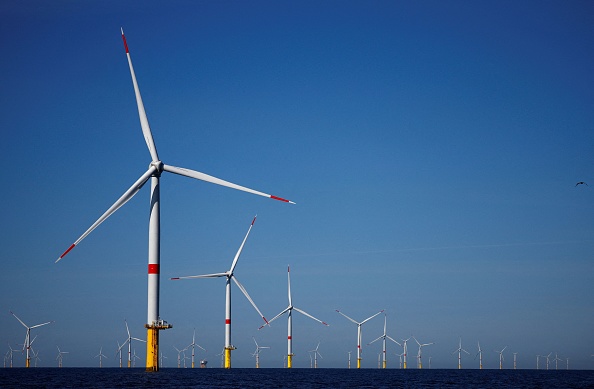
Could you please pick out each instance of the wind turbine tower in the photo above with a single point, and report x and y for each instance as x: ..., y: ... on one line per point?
x: 515, y: 354
x: 230, y: 276
x: 405, y: 350
x: 100, y: 356
x: 129, y: 341
x: 193, y: 344
x: 289, y: 311
x: 257, y: 353
x: 419, y: 361
x: 359, y: 333
x: 459, y: 351
x: 60, y: 355
x: 156, y: 168
x: 480, y: 355
x: 384, y: 337
x: 316, y: 353
x: 501, y: 359
x: 27, y: 342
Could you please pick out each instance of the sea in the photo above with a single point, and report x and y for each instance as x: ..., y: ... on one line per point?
x: 292, y: 378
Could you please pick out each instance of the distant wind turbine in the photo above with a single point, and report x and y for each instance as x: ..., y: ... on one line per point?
x: 547, y: 357
x: 289, y: 311
x: 405, y: 349
x: 129, y: 341
x: 60, y: 356
x: 557, y: 359
x: 459, y: 351
x: 501, y: 359
x: 515, y: 354
x: 156, y: 168
x: 100, y: 356
x: 359, y: 333
x: 480, y: 355
x: 230, y: 276
x: 179, y: 352
x: 193, y: 344
x: 27, y: 343
x: 384, y: 336
x: 419, y: 361
x: 257, y: 353
x: 316, y: 353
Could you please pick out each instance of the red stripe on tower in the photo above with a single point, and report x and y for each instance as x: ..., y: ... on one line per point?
x: 289, y: 337
x: 153, y: 268
x: 227, y: 321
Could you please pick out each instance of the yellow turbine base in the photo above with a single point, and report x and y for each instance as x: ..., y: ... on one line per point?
x: 384, y: 364
x: 228, y: 357
x: 152, y: 344
x: 359, y: 363
x: 405, y: 365
x: 289, y: 361
x: 27, y: 363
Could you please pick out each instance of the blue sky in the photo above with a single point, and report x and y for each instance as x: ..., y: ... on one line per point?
x: 432, y: 149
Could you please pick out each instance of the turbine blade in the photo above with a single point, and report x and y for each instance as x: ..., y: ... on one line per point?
x: 214, y: 275
x: 205, y: 177
x: 371, y: 317
x: 347, y: 317
x: 146, y: 129
x: 246, y: 294
x: 276, y: 317
x: 289, y: 284
x: 39, y: 325
x: 12, y: 313
x: 387, y: 336
x: 310, y: 316
x: 241, y: 247
x: 121, y: 201
x: 381, y: 336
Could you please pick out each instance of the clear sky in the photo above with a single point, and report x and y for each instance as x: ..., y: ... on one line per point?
x: 432, y: 148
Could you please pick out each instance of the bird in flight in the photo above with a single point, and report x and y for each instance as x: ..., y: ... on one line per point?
x: 581, y: 183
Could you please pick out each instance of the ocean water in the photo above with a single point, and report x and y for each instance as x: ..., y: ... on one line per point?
x: 292, y: 378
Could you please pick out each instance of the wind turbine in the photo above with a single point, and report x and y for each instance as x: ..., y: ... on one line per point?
x: 501, y: 359
x: 100, y: 356
x: 557, y: 359
x: 134, y: 358
x: 36, y: 356
x: 405, y: 349
x: 156, y: 168
x: 129, y: 341
x: 193, y: 344
x: 161, y: 356
x: 230, y: 276
x: 316, y: 353
x: 400, y: 357
x: 459, y: 350
x: 419, y: 361
x: 547, y: 357
x: 515, y: 354
x: 257, y: 353
x: 11, y: 351
x: 359, y: 334
x: 480, y: 355
x: 120, y: 352
x: 289, y: 310
x: 27, y: 343
x: 60, y: 355
x: 349, y: 365
x: 384, y: 337
x: 179, y: 355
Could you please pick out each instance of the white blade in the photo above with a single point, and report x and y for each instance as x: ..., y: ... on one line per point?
x: 375, y: 340
x: 218, y: 181
x: 289, y: 283
x: 39, y: 325
x: 371, y: 317
x: 127, y: 330
x: 245, y: 293
x: 214, y: 275
x: 12, y: 313
x: 347, y: 317
x: 276, y: 317
x: 387, y: 336
x: 146, y: 129
x: 241, y: 247
x: 310, y: 316
x: 140, y: 340
x: 121, y: 201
